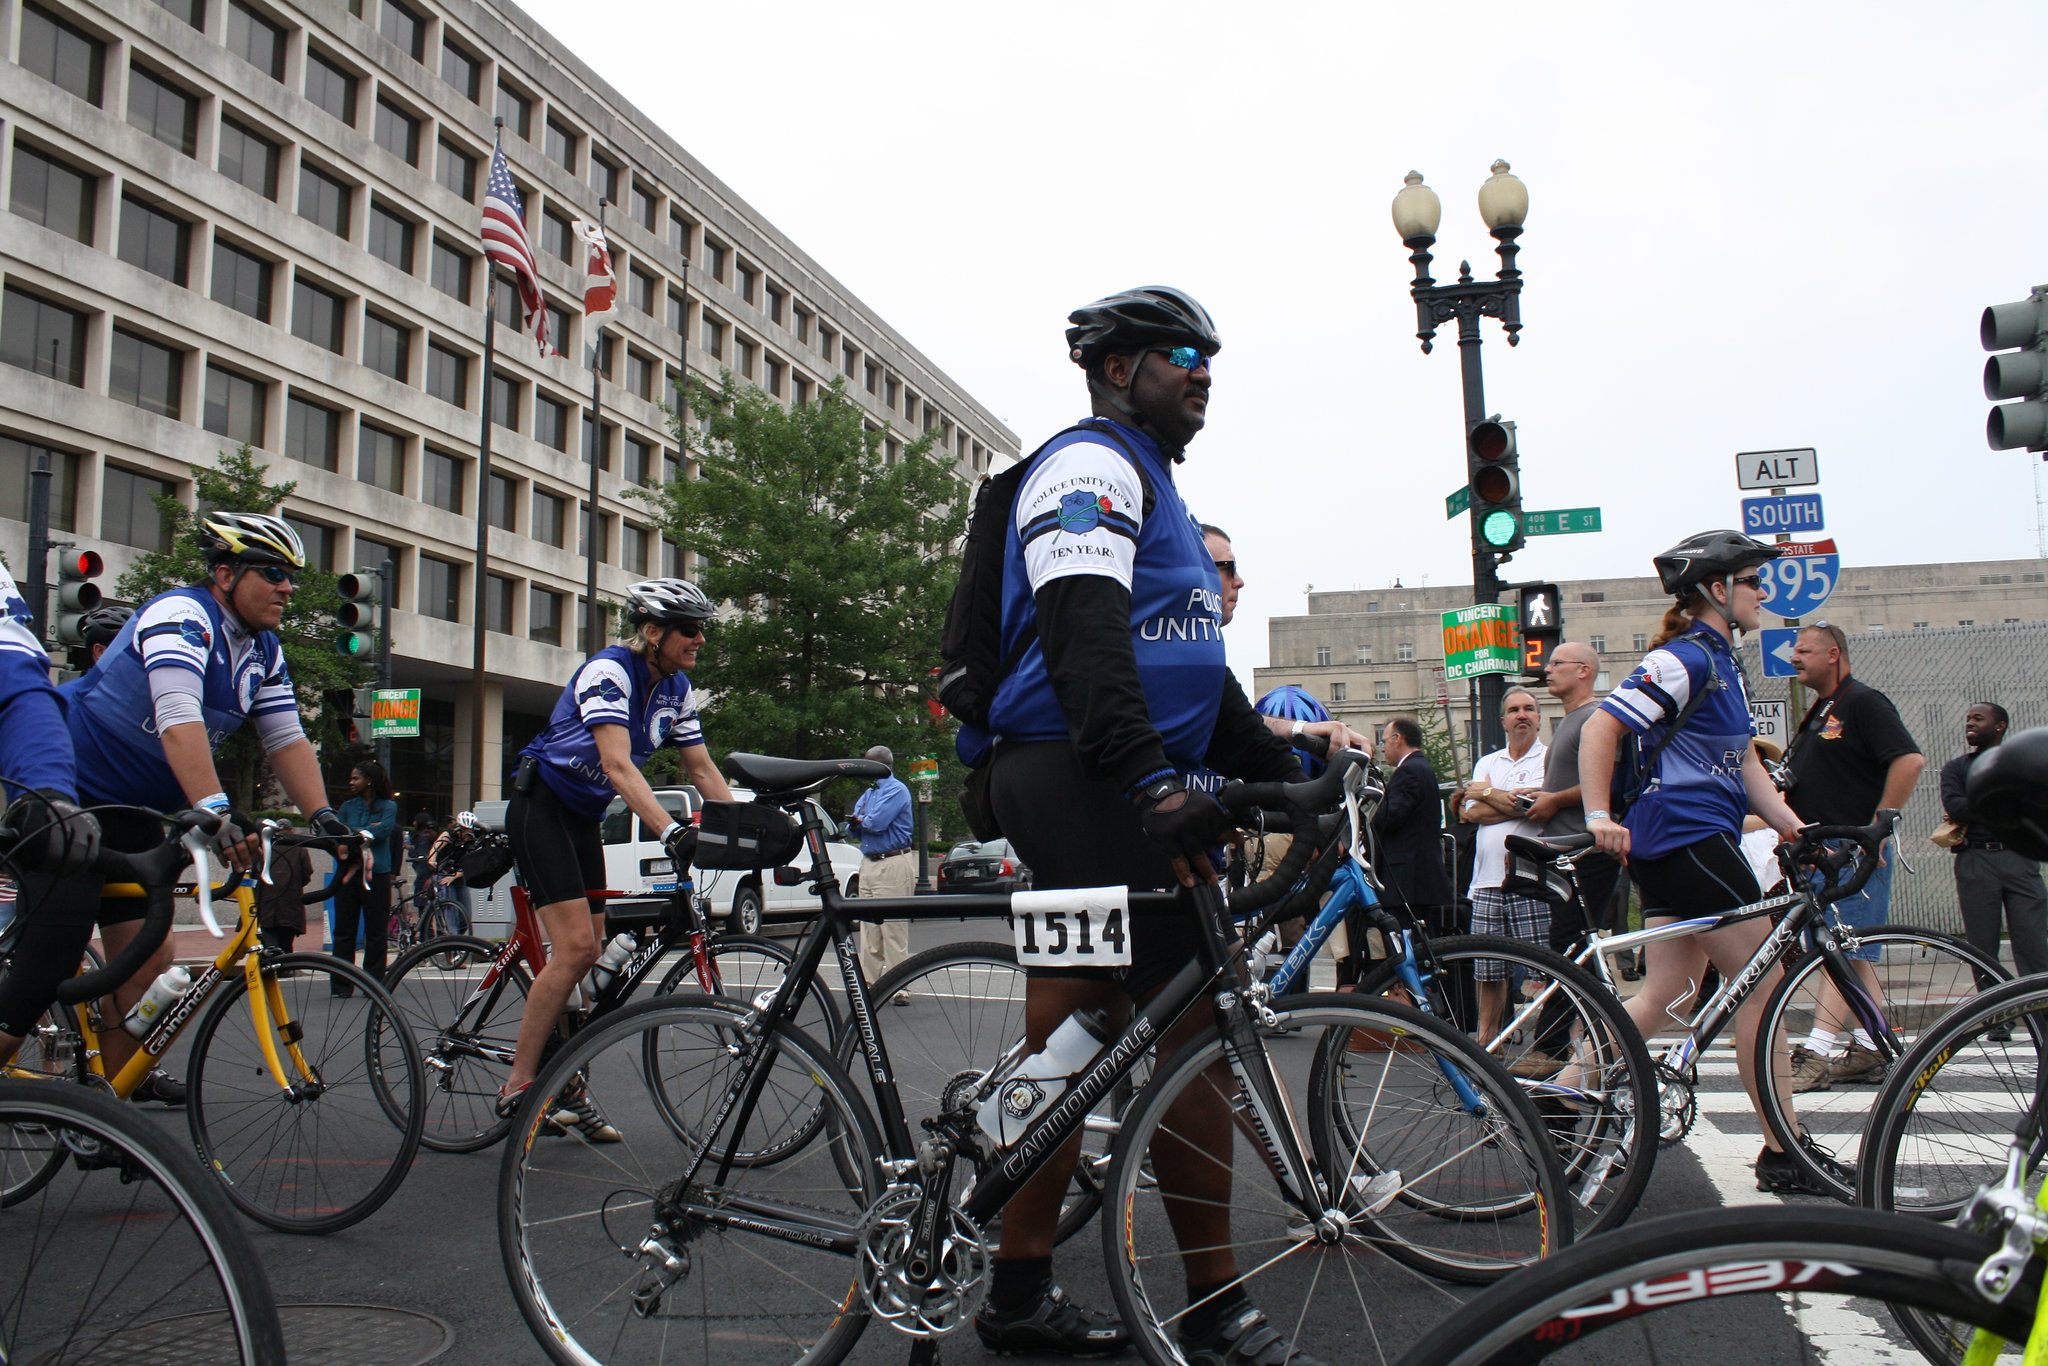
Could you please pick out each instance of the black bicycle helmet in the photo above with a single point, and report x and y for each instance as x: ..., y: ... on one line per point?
x: 250, y: 538
x: 667, y: 601
x: 2008, y: 792
x: 1155, y: 314
x: 1710, y: 555
x: 102, y: 624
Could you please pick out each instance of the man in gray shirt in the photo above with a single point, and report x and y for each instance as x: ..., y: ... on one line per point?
x: 1569, y: 677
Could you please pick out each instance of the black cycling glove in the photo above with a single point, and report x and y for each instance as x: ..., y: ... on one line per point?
x: 1187, y: 821
x: 46, y: 831
x: 681, y: 843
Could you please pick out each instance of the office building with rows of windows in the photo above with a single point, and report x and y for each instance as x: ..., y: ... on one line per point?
x: 254, y: 221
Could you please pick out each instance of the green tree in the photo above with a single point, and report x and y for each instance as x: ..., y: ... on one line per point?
x: 839, y: 562
x: 307, y: 632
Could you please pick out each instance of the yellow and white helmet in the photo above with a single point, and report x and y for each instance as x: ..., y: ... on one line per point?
x: 251, y: 538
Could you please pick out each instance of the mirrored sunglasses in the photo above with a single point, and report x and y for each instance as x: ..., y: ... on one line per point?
x: 276, y: 573
x: 1188, y: 358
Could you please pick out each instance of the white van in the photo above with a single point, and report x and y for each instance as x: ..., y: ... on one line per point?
x: 634, y: 861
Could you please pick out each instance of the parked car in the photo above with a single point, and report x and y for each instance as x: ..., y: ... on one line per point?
x: 991, y: 866
x: 634, y: 861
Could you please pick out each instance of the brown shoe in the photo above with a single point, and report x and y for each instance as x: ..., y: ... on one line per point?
x: 1860, y: 1065
x: 1535, y: 1065
x: 1809, y: 1070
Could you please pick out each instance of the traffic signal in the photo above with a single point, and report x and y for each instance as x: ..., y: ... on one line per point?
x: 2022, y: 375
x: 1542, y: 616
x: 77, y: 594
x: 1496, y: 481
x: 340, y: 704
x: 360, y: 593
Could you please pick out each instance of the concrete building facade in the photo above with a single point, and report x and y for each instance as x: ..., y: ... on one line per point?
x: 1372, y: 655
x: 252, y: 220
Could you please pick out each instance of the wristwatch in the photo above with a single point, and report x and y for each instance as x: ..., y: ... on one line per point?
x: 1599, y: 815
x: 1299, y: 727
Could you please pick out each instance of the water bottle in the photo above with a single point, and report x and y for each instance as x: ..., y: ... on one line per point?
x: 616, y: 955
x: 1042, y: 1078
x: 162, y: 993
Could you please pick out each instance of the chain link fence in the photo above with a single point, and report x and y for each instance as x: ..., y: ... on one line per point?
x: 1932, y: 676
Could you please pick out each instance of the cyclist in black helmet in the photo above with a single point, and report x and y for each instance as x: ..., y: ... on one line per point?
x: 97, y: 630
x: 1682, y: 839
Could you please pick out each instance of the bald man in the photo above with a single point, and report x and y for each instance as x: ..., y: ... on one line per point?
x: 1569, y: 676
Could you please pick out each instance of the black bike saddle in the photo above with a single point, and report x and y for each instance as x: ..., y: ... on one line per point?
x: 776, y: 779
x: 1546, y: 851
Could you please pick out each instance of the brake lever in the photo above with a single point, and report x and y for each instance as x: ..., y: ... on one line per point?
x: 200, y: 847
x: 270, y: 829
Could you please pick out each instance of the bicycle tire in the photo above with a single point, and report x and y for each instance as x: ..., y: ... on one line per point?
x: 739, y: 1288
x: 53, y: 1050
x: 1607, y: 1153
x: 1921, y: 974
x: 294, y: 1160
x: 195, y: 1274
x: 466, y: 1039
x: 1683, y: 1283
x: 447, y: 918
x: 1316, y: 1290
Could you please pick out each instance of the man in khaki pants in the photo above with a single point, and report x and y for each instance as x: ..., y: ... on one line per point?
x: 888, y: 866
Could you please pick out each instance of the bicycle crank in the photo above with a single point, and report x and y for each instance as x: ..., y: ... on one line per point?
x: 942, y: 1300
x: 1677, y: 1106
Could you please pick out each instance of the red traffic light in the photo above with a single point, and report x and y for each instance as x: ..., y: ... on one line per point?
x: 83, y: 564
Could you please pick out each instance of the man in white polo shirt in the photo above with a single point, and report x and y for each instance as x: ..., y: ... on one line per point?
x: 1504, y: 785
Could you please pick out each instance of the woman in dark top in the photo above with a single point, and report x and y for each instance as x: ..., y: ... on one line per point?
x: 371, y: 806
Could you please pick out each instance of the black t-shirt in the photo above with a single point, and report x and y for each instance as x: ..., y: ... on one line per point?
x: 1841, y: 753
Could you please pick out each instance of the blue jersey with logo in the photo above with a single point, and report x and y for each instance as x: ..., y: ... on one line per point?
x: 113, y: 714
x: 1694, y: 787
x: 35, y: 749
x: 1080, y: 510
x: 610, y: 688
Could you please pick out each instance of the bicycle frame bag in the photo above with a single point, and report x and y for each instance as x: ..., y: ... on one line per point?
x: 487, y: 858
x: 743, y: 835
x: 1632, y: 761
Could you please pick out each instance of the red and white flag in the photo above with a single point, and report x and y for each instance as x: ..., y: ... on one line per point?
x: 506, y: 242
x: 600, y: 285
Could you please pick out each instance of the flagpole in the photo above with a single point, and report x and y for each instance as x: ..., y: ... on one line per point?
x: 593, y: 628
x: 478, y: 728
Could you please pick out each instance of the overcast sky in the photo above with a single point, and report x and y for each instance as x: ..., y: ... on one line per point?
x: 1751, y: 226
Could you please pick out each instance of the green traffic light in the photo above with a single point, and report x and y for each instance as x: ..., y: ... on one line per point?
x: 1498, y: 528
x: 353, y: 643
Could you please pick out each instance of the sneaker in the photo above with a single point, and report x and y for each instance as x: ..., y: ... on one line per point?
x: 1244, y: 1338
x: 1999, y: 1034
x: 1050, y: 1324
x: 1809, y: 1070
x: 159, y: 1086
x: 1778, y: 1174
x: 1860, y: 1065
x: 1536, y: 1065
x: 577, y: 1109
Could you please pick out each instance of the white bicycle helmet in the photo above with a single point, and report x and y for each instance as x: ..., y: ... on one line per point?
x: 666, y: 601
x: 251, y: 538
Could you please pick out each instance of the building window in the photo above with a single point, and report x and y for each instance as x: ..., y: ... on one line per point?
x: 387, y: 347
x: 803, y: 326
x: 890, y: 390
x: 633, y: 549
x: 745, y: 280
x: 391, y: 237
x: 639, y: 461
x: 1404, y: 653
x: 318, y: 540
x: 1372, y: 607
x: 241, y: 280
x: 1339, y: 692
x: 312, y: 433
x: 128, y: 511
x: 380, y: 457
x: 405, y: 28
x: 456, y: 170
x: 640, y: 373
x: 236, y: 405
x: 463, y: 71
x: 441, y: 481
x: 643, y: 206
x: 640, y: 291
x: 146, y: 373
x: 1599, y: 644
x: 1322, y: 654
x: 504, y: 502
x: 448, y: 375
x: 1967, y: 621
x: 256, y: 40
x: 551, y: 422
x: 1875, y: 627
x: 771, y: 376
x: 318, y: 315
x: 1382, y: 690
x: 189, y: 11
x: 398, y: 132
x: 714, y: 337
x: 41, y: 336
x: 679, y: 231
x: 440, y: 588
x: 1992, y: 578
x: 324, y: 200
x: 1919, y: 625
x: 1364, y: 654
x: 17, y: 459
x: 1639, y: 643
x: 1592, y: 597
x: 544, y: 617
x: 744, y: 352
x: 799, y: 390
x: 559, y: 323
x: 2034, y: 576
x: 604, y: 178
x: 65, y: 56
x: 678, y: 312
x: 369, y: 554
x: 53, y: 193
x: 449, y: 270
x: 330, y: 87
x: 714, y: 260
x: 504, y: 400
x: 550, y: 517
x: 583, y: 537
x: 557, y: 236
x: 498, y: 603
x: 248, y: 158
x: 597, y: 441
x: 517, y: 111
x: 777, y: 303
x: 873, y: 377
x: 558, y: 144
x: 163, y: 110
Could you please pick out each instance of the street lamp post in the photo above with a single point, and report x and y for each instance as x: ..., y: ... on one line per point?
x: 1503, y: 203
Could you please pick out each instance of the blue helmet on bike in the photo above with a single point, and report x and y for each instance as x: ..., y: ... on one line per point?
x: 1292, y: 702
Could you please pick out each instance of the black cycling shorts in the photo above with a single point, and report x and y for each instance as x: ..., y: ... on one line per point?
x: 1076, y: 831
x: 559, y: 853
x: 57, y: 912
x: 1706, y: 877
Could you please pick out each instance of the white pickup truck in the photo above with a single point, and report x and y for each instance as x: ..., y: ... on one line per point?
x: 634, y: 861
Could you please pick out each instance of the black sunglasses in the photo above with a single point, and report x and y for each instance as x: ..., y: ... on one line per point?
x: 1228, y: 568
x: 276, y: 573
x: 1755, y: 581
x: 1186, y: 357
x: 688, y: 630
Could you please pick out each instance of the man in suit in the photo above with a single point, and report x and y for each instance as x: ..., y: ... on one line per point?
x: 1409, y: 824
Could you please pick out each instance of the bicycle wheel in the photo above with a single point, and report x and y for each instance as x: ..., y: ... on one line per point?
x: 466, y: 1028
x: 447, y: 917
x: 1921, y: 975
x: 30, y: 1154
x: 751, y: 968
x: 1590, y: 1073
x: 322, y: 1151
x: 611, y: 1261
x: 1709, y: 1282
x: 1324, y: 1281
x: 126, y: 1247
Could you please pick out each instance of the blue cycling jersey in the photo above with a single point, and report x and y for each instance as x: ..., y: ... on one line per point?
x: 611, y: 688
x: 35, y: 748
x: 113, y: 714
x: 1694, y: 787
x: 1080, y: 510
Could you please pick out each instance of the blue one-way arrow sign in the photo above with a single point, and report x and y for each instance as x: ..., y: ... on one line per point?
x: 1777, y: 648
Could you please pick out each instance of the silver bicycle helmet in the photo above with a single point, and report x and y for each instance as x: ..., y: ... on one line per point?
x: 250, y: 538
x: 666, y: 601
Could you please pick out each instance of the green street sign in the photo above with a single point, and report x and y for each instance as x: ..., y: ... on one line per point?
x: 394, y: 713
x: 1486, y: 639
x: 1560, y: 522
x: 1461, y: 501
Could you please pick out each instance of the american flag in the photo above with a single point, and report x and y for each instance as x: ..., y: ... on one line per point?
x: 506, y: 242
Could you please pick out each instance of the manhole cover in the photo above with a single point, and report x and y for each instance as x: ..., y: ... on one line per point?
x: 314, y: 1335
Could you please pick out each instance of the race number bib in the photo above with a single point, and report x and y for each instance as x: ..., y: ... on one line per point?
x: 1081, y: 927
